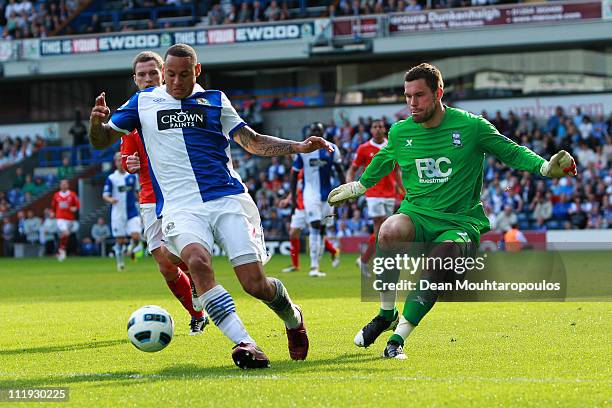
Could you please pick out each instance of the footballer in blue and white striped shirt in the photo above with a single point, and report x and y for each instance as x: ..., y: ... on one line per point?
x: 186, y: 130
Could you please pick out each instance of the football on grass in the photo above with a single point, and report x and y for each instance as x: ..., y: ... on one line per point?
x: 150, y: 328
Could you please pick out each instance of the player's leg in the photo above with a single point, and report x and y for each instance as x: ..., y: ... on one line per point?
x: 119, y: 232
x: 313, y: 210
x: 314, y: 246
x: 327, y: 220
x: 398, y: 228
x: 175, y: 260
x: 297, y: 221
x: 133, y: 229
x: 178, y: 282
x: 448, y: 245
x: 63, y: 227
x: 195, y: 251
x: 245, y: 254
x: 180, y: 285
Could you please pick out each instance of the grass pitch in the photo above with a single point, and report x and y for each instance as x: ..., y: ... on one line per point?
x: 64, y: 325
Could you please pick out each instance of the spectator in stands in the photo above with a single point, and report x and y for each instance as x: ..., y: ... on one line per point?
x: 596, y: 220
x: 273, y: 12
x: 31, y: 227
x: 578, y: 116
x: 584, y: 155
x: 88, y: 248
x: 95, y: 26
x: 332, y: 11
x: 48, y: 232
x: 39, y: 186
x: 29, y: 186
x: 78, y: 130
x: 216, y: 15
x: 274, y: 226
x: 506, y: 219
x: 15, y: 197
x: 66, y: 171
x: 412, y: 6
x: 356, y: 223
x: 20, y: 232
x: 500, y: 123
x: 244, y: 14
x: 541, y: 207
x: 8, y: 234
x: 257, y: 14
x: 585, y: 128
x: 100, y: 232
x: 19, y: 179
x: 561, y: 208
x: 600, y: 128
x: 253, y: 114
x: 276, y: 170
x: 249, y: 164
x: 554, y: 121
x: 231, y: 15
x: 577, y: 215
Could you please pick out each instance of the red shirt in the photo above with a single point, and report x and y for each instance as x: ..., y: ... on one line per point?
x: 131, y: 144
x: 385, y: 188
x: 61, y: 203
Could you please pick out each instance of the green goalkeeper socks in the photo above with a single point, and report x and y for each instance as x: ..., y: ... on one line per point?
x: 389, y: 315
x: 415, y: 309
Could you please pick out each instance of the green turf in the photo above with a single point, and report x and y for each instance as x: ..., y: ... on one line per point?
x: 65, y: 325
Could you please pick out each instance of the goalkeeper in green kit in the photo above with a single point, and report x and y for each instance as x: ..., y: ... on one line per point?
x: 441, y: 153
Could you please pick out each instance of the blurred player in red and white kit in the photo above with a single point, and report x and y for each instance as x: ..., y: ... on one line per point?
x: 298, y: 223
x: 380, y: 199
x: 147, y: 68
x: 65, y: 204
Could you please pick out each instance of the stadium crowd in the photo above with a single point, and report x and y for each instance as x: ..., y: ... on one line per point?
x: 26, y: 19
x: 509, y: 196
x: 22, y: 19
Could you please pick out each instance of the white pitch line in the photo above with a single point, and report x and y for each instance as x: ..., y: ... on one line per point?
x: 292, y: 377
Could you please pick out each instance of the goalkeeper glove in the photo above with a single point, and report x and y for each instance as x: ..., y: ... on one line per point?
x: 345, y: 192
x: 560, y: 165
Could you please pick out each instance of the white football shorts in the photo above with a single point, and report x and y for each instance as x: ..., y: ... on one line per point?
x: 121, y: 227
x: 67, y: 225
x: 152, y: 227
x: 233, y: 222
x: 298, y: 219
x: 380, y: 206
x: 317, y: 210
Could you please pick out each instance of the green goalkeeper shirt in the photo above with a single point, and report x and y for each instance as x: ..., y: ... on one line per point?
x: 442, y: 167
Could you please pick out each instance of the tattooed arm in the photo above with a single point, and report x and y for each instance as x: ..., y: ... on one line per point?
x: 264, y: 145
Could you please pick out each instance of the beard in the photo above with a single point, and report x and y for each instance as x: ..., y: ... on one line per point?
x: 427, y: 114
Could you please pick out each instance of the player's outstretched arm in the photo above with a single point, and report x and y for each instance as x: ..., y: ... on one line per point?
x: 101, y: 135
x: 522, y: 158
x: 264, y: 145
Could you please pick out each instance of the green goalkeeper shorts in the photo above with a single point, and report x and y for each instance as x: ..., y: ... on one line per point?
x: 430, y: 229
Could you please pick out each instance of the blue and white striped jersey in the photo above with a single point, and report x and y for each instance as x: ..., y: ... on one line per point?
x: 187, y: 141
x: 318, y: 172
x: 122, y: 187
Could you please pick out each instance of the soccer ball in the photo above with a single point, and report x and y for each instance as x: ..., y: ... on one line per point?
x: 150, y: 328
